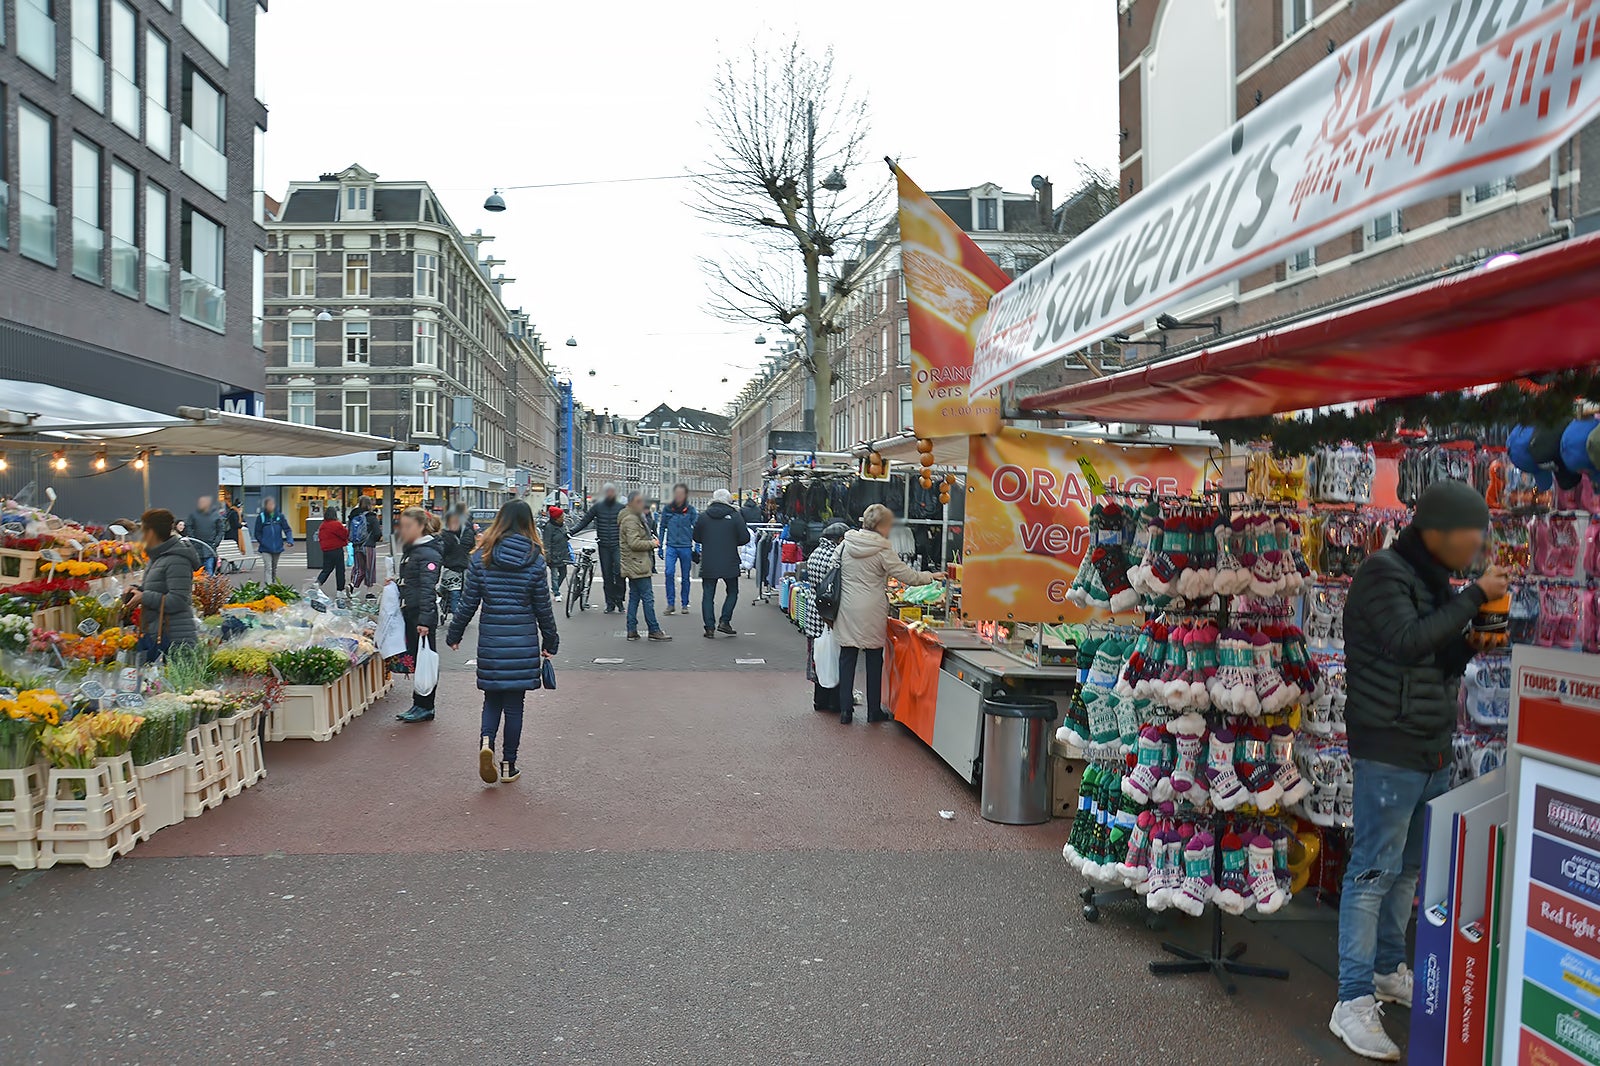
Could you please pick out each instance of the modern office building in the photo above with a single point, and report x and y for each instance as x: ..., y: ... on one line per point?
x: 131, y: 239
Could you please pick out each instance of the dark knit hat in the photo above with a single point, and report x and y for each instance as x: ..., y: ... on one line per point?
x: 1447, y: 505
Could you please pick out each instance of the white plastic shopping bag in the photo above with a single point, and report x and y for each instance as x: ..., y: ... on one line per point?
x: 391, y: 634
x: 427, y: 675
x: 825, y: 653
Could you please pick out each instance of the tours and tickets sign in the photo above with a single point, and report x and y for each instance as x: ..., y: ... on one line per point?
x: 1552, y: 986
x: 1029, y: 494
x: 1432, y: 97
x: 949, y: 281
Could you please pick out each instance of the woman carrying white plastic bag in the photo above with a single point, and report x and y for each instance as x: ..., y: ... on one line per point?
x: 420, y: 568
x: 822, y: 665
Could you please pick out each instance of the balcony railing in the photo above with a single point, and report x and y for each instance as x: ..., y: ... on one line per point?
x: 88, y: 241
x: 36, y: 36
x: 208, y: 27
x: 157, y: 128
x: 125, y: 268
x: 204, y: 163
x: 88, y: 76
x: 157, y: 283
x: 125, y: 103
x: 38, y: 228
x: 204, y: 304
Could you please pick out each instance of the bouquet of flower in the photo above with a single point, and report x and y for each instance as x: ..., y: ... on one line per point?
x: 15, y: 631
x: 101, y: 647
x: 49, y: 592
x: 243, y: 660
x: 73, y: 568
x: 188, y: 667
x: 251, y: 591
x: 206, y: 703
x: 211, y: 593
x: 311, y: 666
x: 265, y: 603
x: 167, y: 720
x: 22, y: 719
x: 89, y: 608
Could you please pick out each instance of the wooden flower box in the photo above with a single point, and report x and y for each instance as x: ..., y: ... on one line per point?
x: 161, y: 785
x: 18, y: 566
x: 54, y: 619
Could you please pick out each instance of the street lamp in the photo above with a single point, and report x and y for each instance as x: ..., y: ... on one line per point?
x: 495, y: 202
x: 834, y: 182
x: 572, y: 342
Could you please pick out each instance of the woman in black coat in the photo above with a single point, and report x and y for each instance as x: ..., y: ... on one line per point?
x: 420, y: 568
x: 508, y: 580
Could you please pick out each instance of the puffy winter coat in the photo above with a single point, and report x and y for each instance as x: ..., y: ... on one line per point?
x: 1405, y: 652
x: 603, y: 515
x: 167, y: 598
x: 637, y: 551
x: 419, y: 582
x: 332, y: 535
x: 513, y: 589
x: 272, y: 532
x: 720, y: 531
x: 866, y: 563
x: 677, y: 526
x: 456, y: 546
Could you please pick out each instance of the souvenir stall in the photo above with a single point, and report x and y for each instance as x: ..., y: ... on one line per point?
x: 1217, y: 774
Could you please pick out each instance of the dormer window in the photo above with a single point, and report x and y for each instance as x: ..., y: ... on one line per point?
x: 355, y: 197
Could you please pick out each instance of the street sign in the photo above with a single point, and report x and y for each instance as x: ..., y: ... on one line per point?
x: 463, y: 439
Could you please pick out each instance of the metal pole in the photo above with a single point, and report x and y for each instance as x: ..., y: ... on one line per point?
x: 388, y: 517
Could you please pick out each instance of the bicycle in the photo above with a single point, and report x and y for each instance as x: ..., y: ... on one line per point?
x: 582, y: 579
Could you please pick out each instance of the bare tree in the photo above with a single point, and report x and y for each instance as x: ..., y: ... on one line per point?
x: 779, y: 115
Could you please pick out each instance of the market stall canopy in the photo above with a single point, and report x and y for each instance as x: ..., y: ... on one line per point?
x: 36, y: 418
x: 1512, y: 317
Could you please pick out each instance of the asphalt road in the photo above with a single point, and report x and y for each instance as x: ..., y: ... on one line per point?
x: 694, y: 868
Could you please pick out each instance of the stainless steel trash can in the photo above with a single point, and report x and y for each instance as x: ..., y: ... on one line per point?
x: 1016, y: 759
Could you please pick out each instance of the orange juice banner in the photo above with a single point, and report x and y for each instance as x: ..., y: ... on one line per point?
x: 1027, y: 520
x: 948, y: 284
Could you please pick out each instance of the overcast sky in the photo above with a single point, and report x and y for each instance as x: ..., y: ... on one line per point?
x: 478, y: 93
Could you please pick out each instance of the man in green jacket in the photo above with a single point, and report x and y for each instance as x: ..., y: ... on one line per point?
x: 1406, y: 647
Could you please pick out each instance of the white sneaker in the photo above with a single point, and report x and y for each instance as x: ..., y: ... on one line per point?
x: 1394, y: 987
x: 1359, y: 1023
x: 556, y: 597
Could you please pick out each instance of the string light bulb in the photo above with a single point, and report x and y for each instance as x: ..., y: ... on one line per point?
x: 3, y: 463
x: 139, y: 461
x: 100, y: 461
x: 60, y: 461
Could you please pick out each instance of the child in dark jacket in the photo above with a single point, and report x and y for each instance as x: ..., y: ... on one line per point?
x: 508, y: 580
x: 420, y: 567
x: 455, y: 541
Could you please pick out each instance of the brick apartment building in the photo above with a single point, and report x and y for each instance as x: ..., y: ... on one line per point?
x: 869, y: 347
x: 1189, y: 70
x: 612, y: 455
x: 382, y: 317
x: 131, y: 240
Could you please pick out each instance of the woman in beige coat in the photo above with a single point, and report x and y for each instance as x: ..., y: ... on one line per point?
x: 866, y: 563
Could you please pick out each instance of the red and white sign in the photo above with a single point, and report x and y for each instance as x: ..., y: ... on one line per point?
x: 1434, y: 96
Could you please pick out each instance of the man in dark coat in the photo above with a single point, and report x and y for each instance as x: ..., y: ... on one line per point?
x: 719, y: 532
x: 750, y: 511
x: 557, y: 549
x: 603, y: 515
x: 1406, y: 647
x: 206, y: 524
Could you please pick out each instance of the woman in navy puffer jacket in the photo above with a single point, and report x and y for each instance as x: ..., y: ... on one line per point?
x: 508, y: 579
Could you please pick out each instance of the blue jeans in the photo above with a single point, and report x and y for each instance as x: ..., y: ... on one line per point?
x: 558, y: 574
x: 1380, y: 882
x: 508, y: 703
x: 641, y: 590
x: 678, y: 557
x: 708, y: 600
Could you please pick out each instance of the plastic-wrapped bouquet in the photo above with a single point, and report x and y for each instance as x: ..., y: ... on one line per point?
x: 206, y: 703
x: 23, y: 718
x: 15, y: 629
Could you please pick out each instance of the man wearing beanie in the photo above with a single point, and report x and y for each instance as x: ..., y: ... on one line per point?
x: 1406, y: 647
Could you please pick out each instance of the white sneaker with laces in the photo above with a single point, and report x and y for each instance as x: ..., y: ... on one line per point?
x: 1394, y: 987
x: 556, y: 597
x: 1359, y: 1023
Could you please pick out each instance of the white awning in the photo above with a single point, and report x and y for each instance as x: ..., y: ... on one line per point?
x: 36, y: 419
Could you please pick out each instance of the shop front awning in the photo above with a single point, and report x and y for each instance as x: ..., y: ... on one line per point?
x: 1520, y: 316
x: 35, y: 418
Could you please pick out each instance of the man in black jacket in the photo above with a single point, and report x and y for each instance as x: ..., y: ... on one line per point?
x: 206, y: 524
x: 603, y: 515
x: 1406, y: 647
x: 720, y: 530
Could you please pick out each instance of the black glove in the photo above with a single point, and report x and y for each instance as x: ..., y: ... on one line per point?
x: 694, y: 557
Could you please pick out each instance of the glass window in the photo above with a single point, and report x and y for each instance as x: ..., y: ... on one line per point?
x: 36, y: 173
x: 303, y: 407
x: 427, y: 275
x: 905, y: 406
x: 157, y: 94
x: 125, y: 66
x: 302, y: 343
x: 904, y: 356
x: 988, y: 213
x: 425, y: 413
x: 88, y: 240
x: 303, y: 274
x: 884, y: 349
x: 1302, y: 260
x: 1296, y: 16
x: 355, y: 198
x: 357, y: 342
x: 427, y: 347
x: 357, y: 274
x: 1382, y: 228
x: 204, y: 298
x: 902, y: 285
x: 205, y: 133
x: 207, y: 20
x: 355, y: 411
x: 88, y: 69
x: 5, y: 155
x: 157, y: 273
x: 124, y: 230
x: 36, y: 34
x: 1487, y: 190
x: 258, y: 298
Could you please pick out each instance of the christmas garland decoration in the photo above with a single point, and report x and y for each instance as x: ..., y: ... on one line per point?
x: 1549, y: 400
